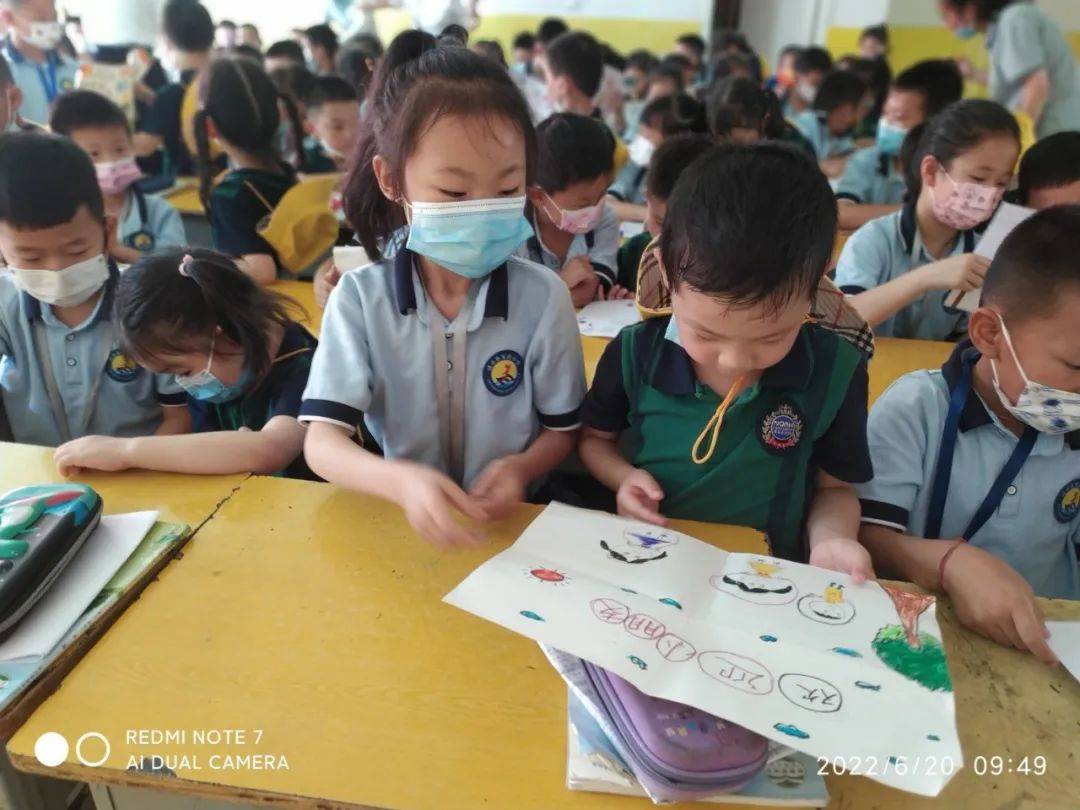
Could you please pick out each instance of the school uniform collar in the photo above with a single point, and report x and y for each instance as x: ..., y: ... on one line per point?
x: 884, y: 164
x: 975, y: 413
x: 674, y: 375
x: 908, y: 226
x: 103, y: 311
x: 496, y: 301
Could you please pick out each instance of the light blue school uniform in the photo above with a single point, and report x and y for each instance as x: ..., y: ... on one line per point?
x: 40, y: 84
x: 150, y: 222
x: 99, y: 389
x: 811, y: 123
x: 600, y: 246
x: 629, y: 185
x: 871, y: 178
x: 884, y: 249
x: 1021, y: 41
x: 1036, y: 524
x: 453, y: 395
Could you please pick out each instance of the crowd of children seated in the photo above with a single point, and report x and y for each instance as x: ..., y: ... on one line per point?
x: 491, y: 191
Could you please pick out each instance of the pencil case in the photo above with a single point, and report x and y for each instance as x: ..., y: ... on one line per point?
x: 677, y: 752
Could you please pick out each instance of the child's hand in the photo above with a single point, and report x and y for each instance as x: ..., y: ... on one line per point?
x: 91, y: 453
x: 843, y: 554
x: 429, y: 499
x: 964, y: 272
x: 639, y: 497
x: 995, y: 601
x: 616, y: 293
x: 582, y: 280
x: 325, y: 281
x: 500, y: 487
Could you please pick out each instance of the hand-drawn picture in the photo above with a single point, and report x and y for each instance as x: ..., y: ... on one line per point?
x: 609, y: 610
x: 637, y: 662
x: 786, y: 773
x: 673, y: 648
x: 640, y: 625
x: 667, y: 600
x: 809, y: 692
x: 640, y: 546
x: 549, y: 575
x: 901, y: 647
x: 872, y: 687
x: 736, y: 671
x: 759, y: 585
x: 530, y: 614
x: 645, y: 627
x: 829, y: 608
x: 792, y: 731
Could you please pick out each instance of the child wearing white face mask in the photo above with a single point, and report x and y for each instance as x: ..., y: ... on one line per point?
x: 99, y: 128
x: 41, y: 71
x: 900, y: 268
x: 576, y: 232
x: 976, y: 486
x: 62, y: 371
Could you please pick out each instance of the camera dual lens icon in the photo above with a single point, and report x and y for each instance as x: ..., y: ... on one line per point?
x: 52, y: 749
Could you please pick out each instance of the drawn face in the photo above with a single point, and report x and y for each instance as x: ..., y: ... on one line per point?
x: 753, y: 587
x: 640, y: 546
x: 821, y: 609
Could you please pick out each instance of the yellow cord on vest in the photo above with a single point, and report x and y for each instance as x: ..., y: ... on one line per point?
x: 715, y: 422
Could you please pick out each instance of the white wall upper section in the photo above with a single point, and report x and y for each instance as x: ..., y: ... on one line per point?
x: 635, y: 9
x: 772, y: 24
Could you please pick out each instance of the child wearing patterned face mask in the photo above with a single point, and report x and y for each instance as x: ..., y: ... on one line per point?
x: 975, y: 488
x: 99, y: 128
x: 576, y: 232
x: 900, y: 268
x: 66, y: 374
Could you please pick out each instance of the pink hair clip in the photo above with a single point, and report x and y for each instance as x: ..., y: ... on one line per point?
x: 184, y: 265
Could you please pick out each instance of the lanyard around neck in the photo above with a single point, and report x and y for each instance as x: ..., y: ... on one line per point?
x: 943, y: 469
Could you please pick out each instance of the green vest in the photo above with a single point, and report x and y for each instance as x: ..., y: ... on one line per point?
x: 761, y: 474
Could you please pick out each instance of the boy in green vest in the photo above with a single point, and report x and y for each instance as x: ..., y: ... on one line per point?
x: 735, y: 409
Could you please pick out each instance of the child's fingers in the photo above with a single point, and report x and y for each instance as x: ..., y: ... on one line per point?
x: 462, y: 502
x: 640, y: 508
x: 652, y: 489
x: 1033, y: 633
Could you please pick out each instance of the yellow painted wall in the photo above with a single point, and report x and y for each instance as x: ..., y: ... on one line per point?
x: 624, y: 35
x: 910, y: 44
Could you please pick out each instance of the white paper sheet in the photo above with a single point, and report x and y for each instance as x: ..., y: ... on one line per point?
x: 799, y: 654
x: 101, y: 556
x: 1007, y: 217
x: 349, y: 257
x: 1065, y: 642
x: 607, y: 318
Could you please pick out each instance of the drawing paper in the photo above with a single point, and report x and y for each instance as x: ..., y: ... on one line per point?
x: 798, y: 654
x: 607, y: 318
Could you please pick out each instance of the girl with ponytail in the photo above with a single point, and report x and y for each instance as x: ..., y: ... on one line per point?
x: 239, y: 110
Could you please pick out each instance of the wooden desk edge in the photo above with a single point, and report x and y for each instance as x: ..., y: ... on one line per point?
x: 47, y: 681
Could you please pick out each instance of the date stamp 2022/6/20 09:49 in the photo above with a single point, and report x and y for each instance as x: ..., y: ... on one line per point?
x: 981, y: 765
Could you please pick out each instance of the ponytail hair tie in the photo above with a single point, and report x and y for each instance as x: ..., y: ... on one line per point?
x: 184, y: 262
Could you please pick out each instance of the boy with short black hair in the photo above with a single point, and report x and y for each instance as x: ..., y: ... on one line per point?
x: 1050, y: 172
x: 812, y: 65
x: 692, y: 47
x: 667, y: 164
x: 39, y: 68
x: 283, y: 54
x: 320, y: 48
x: 984, y: 454
x: 737, y: 409
x: 68, y: 376
x: 573, y: 67
x: 873, y: 181
x: 333, y: 118
x: 576, y: 233
x: 831, y: 120
x: 144, y: 222
x: 188, y: 34
x: 522, y: 53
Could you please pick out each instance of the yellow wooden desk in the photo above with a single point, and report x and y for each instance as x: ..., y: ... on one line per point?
x: 184, y: 197
x: 303, y: 293
x: 189, y: 499
x: 313, y: 616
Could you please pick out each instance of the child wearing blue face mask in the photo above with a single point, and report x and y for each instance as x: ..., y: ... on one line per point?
x: 232, y: 346
x: 976, y: 489
x: 462, y: 360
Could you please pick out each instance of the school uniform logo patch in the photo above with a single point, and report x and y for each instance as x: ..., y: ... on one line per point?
x: 781, y: 428
x: 142, y: 241
x: 1067, y: 502
x: 120, y: 367
x: 502, y: 372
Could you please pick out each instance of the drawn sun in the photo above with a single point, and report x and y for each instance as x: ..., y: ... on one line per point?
x: 549, y: 575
